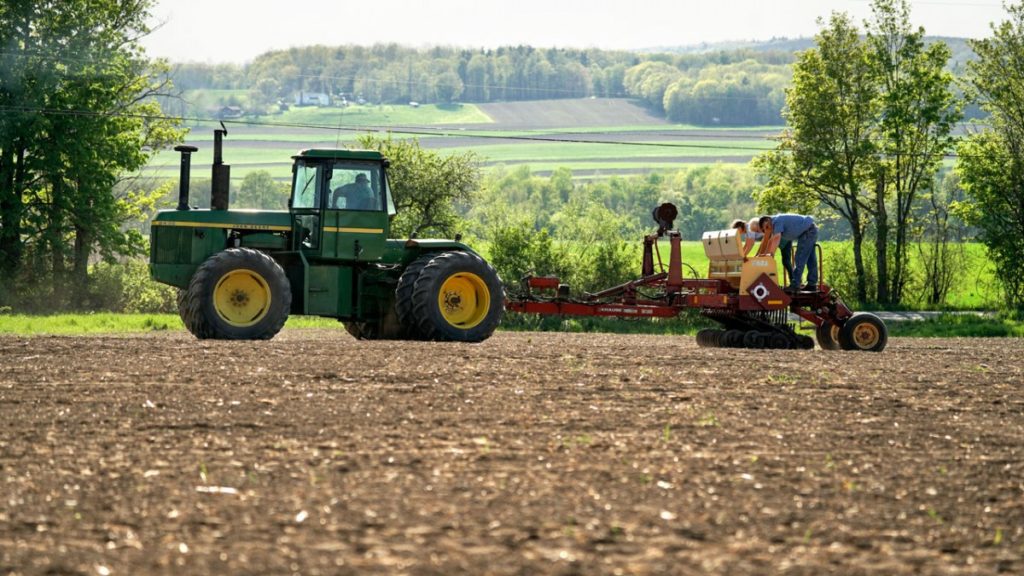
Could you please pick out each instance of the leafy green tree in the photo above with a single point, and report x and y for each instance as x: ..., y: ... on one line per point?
x: 991, y: 170
x: 268, y: 90
x: 449, y: 86
x: 869, y: 122
x: 586, y: 249
x: 427, y: 186
x: 828, y: 151
x: 78, y: 115
x: 940, y: 236
x: 516, y: 249
x: 991, y: 163
x: 918, y: 111
x: 650, y: 80
x: 259, y: 190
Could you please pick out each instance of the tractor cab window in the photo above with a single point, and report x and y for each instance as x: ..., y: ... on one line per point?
x: 305, y: 193
x: 356, y: 186
x: 306, y: 202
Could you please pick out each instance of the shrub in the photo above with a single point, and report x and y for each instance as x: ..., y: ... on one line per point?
x: 126, y: 287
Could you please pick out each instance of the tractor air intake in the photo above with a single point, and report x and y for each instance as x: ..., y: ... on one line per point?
x: 221, y: 173
x: 186, y: 168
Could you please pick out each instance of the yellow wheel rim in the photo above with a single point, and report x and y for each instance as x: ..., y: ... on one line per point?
x: 866, y: 335
x: 241, y: 297
x: 464, y: 300
x: 833, y: 333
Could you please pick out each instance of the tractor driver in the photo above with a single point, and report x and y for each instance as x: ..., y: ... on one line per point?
x: 357, y: 194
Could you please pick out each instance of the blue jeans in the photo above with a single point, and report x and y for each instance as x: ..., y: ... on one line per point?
x: 806, y: 255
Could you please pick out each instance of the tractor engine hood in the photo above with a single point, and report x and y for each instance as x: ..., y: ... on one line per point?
x: 271, y: 221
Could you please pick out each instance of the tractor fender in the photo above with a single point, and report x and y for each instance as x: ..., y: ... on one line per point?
x: 405, y: 251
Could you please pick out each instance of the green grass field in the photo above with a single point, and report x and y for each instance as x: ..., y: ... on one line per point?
x: 274, y: 156
x: 112, y: 323
x: 379, y: 115
x: 267, y: 142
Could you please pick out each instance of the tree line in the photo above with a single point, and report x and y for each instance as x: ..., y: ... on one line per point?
x: 77, y: 121
x: 729, y: 88
x: 735, y: 87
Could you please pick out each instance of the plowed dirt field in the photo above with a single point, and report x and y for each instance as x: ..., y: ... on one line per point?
x: 530, y: 453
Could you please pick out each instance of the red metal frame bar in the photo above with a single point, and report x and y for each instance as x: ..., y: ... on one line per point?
x: 644, y: 310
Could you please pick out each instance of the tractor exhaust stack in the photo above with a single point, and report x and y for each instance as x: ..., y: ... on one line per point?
x: 221, y: 173
x: 183, y: 178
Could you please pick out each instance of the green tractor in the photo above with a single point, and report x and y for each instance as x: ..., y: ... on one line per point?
x: 242, y: 272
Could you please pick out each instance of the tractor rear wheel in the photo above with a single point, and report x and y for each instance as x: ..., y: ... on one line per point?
x: 827, y: 335
x: 457, y: 296
x: 864, y: 332
x: 404, y: 305
x: 237, y: 294
x: 182, y: 304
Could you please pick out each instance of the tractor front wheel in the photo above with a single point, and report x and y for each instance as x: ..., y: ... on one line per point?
x: 236, y: 294
x: 864, y: 332
x: 457, y: 296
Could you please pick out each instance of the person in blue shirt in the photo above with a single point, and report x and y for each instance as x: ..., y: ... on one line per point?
x: 784, y: 229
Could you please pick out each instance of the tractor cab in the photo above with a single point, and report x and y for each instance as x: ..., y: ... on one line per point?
x: 341, y: 204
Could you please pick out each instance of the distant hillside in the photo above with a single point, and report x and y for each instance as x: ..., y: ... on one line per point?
x: 961, y: 51
x: 719, y: 84
x: 773, y: 45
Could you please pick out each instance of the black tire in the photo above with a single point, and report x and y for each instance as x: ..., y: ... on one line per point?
x: 473, y: 297
x: 182, y: 305
x: 863, y: 332
x: 804, y: 342
x: 732, y: 339
x: 710, y: 338
x: 404, y: 304
x: 754, y: 339
x: 778, y: 341
x: 237, y: 294
x: 827, y: 335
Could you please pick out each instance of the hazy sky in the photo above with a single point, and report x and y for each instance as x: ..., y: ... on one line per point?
x: 239, y: 30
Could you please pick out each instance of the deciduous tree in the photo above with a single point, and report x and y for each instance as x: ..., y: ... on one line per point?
x: 991, y: 163
x: 916, y: 117
x: 828, y: 152
x: 426, y: 185
x: 77, y: 117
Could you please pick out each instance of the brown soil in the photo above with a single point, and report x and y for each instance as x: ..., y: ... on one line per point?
x: 529, y: 453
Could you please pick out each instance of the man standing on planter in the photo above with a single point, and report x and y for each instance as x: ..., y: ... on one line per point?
x: 782, y: 230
